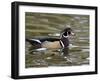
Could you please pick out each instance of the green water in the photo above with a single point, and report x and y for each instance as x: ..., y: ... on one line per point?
x: 48, y: 25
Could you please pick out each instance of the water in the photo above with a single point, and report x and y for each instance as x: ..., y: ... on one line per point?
x: 50, y: 25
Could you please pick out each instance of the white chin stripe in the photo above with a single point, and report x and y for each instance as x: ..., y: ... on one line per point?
x: 65, y: 36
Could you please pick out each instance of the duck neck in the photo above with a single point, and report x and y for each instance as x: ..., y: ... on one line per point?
x: 64, y: 41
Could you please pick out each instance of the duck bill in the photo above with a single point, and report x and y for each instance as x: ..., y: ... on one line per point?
x: 72, y: 33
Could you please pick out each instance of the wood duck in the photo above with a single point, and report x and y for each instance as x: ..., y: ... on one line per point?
x: 53, y: 43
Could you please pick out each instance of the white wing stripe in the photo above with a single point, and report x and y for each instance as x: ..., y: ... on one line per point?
x: 36, y: 40
x: 62, y: 44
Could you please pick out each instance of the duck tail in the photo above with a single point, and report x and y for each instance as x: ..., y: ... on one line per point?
x: 28, y: 40
x: 36, y: 43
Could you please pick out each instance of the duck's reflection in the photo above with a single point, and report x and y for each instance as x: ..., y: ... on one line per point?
x: 65, y: 52
x: 62, y: 53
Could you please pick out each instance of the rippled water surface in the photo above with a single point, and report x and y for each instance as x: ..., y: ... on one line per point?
x: 40, y: 25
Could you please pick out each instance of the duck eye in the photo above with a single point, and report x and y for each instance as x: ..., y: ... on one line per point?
x: 69, y: 32
x: 65, y: 34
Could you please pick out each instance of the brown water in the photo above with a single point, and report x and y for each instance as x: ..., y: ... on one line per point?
x: 49, y: 25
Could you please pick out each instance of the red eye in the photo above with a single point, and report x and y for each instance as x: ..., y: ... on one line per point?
x: 65, y: 34
x: 69, y: 32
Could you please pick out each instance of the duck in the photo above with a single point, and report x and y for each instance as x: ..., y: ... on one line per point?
x: 53, y: 43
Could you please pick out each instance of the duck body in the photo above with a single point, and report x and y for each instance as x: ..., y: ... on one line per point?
x: 48, y: 43
x: 52, y: 43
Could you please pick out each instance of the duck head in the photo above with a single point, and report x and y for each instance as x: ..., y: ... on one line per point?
x: 66, y: 33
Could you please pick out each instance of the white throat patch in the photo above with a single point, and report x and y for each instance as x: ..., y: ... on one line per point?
x: 65, y: 36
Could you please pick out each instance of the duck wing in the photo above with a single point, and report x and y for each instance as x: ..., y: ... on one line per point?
x: 40, y: 40
x: 49, y: 39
